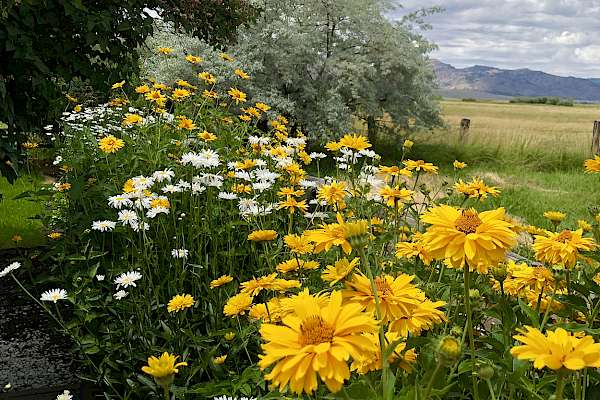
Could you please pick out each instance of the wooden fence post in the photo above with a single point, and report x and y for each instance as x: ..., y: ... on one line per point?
x: 596, y: 138
x: 465, y: 124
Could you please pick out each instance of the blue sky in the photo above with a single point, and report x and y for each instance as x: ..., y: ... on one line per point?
x: 556, y: 36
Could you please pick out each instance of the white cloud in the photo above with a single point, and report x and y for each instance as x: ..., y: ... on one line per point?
x: 566, y: 38
x: 589, y: 54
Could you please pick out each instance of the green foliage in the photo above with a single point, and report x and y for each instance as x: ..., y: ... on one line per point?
x: 555, y: 101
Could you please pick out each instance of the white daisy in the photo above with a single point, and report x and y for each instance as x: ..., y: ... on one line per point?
x: 10, y: 268
x: 227, y: 196
x: 121, y: 294
x: 171, y: 189
x: 261, y: 186
x: 179, y: 253
x: 183, y: 185
x: 54, y: 295
x: 153, y: 212
x: 103, y: 226
x: 164, y: 175
x: 317, y: 155
x: 119, y: 201
x: 140, y: 226
x: 142, y: 182
x: 100, y: 278
x: 128, y: 217
x: 127, y: 279
x: 66, y: 395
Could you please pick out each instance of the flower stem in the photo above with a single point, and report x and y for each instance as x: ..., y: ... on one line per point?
x: 560, y: 385
x: 166, y: 392
x: 467, y: 299
x: 436, y: 371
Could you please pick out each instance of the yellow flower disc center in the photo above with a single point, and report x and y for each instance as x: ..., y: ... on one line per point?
x: 564, y: 236
x: 468, y: 222
x: 314, y: 330
x: 383, y: 287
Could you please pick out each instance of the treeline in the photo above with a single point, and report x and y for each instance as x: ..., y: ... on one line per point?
x: 555, y: 101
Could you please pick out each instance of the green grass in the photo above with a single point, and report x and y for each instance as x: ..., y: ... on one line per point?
x: 533, y: 153
x: 17, y: 216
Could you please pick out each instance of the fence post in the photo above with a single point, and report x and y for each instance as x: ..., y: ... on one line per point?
x: 465, y: 124
x: 596, y: 138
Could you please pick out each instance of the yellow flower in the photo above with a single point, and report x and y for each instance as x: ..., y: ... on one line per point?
x: 292, y: 204
x: 237, y: 95
x: 207, y: 136
x: 467, y: 237
x: 367, y: 362
x: 156, y: 96
x: 16, y: 238
x: 55, y: 235
x: 237, y: 305
x: 561, y: 248
x: 298, y: 244
x: 414, y: 248
x: 193, y: 59
x: 555, y: 216
x: 210, y: 94
x: 132, y: 119
x: 419, y: 318
x: 476, y: 189
x: 118, y: 85
x: 229, y: 336
x: 295, y: 264
x: 30, y: 145
x: 142, y: 89
x: 356, y: 142
x: 420, y: 165
x: 186, y: 123
x: 584, y: 225
x: 241, y: 74
x: 162, y: 202
x: 77, y: 108
x: 111, y: 144
x: 394, y: 196
x: 262, y: 107
x: 289, y: 191
x: 164, y: 366
x: 165, y: 50
x: 559, y: 349
x: 315, y: 340
x: 333, y: 146
x: 71, y: 98
x: 408, y: 144
x: 180, y: 302
x: 61, y: 187
x: 186, y: 84
x: 179, y: 94
x: 459, y: 165
x: 207, y: 77
x: 222, y: 280
x: 396, y: 295
x: 337, y: 234
x: 333, y: 193
x: 262, y: 235
x: 592, y: 165
x: 252, y: 112
x: 339, y: 270
x: 226, y: 57
x: 220, y: 359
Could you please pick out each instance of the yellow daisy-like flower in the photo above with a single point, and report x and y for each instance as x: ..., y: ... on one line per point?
x: 186, y: 123
x: 524, y: 277
x: 356, y: 142
x: 333, y: 146
x: 207, y: 136
x: 262, y: 107
x: 211, y: 94
x: 237, y: 95
x: 16, y: 238
x: 245, y: 118
x: 180, y: 94
x: 414, y: 248
x: 368, y: 362
x: 561, y: 248
x: 262, y: 235
x: 241, y: 74
x: 193, y: 59
x: 55, y: 235
x: 237, y: 305
x: 558, y: 349
x: 207, y: 77
x: 226, y: 57
x: 337, y: 234
x: 584, y: 225
x: 315, y: 341
x: 476, y: 189
x: 229, y: 336
x: 78, y: 108
x: 295, y: 264
x: 220, y: 360
x: 555, y: 216
x: 164, y: 366
x: 419, y: 318
x: 394, y: 196
x: 408, y: 144
x: 220, y: 281
x: 30, y: 145
x: 420, y: 165
x: 339, y: 270
x: 180, y: 302
x: 111, y: 144
x: 459, y: 165
x: 165, y: 50
x: 592, y: 165
x: 118, y: 85
x: 143, y: 89
x: 156, y: 96
x: 132, y: 119
x: 467, y: 237
x: 186, y: 84
x: 333, y: 193
x: 397, y: 296
x: 298, y: 244
x: 268, y: 282
x: 290, y: 191
x: 292, y: 204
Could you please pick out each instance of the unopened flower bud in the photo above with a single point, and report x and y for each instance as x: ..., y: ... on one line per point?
x: 486, y: 372
x: 474, y: 294
x: 499, y: 272
x: 456, y: 331
x: 448, y: 350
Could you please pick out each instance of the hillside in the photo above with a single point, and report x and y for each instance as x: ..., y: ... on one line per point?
x: 488, y: 82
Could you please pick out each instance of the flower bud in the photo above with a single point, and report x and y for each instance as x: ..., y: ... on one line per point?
x: 499, y: 272
x: 456, y: 331
x: 448, y: 350
x: 474, y: 294
x: 486, y: 372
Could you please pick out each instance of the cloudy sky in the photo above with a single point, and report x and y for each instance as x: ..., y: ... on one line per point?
x: 556, y: 36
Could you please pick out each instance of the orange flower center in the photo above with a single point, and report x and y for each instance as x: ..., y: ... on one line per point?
x: 564, y: 236
x: 314, y: 330
x: 468, y: 222
x: 383, y: 287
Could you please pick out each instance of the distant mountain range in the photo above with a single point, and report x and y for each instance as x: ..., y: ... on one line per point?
x: 495, y: 83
